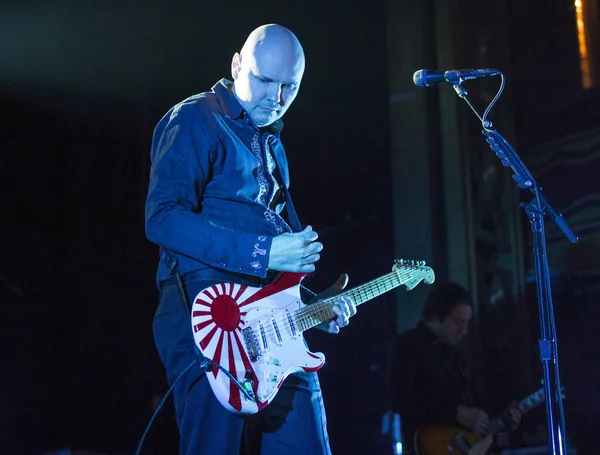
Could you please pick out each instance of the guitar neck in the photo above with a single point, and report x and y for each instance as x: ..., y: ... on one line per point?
x: 312, y: 315
x: 496, y: 424
x: 525, y: 405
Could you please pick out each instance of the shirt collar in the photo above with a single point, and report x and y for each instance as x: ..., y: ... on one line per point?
x: 233, y: 109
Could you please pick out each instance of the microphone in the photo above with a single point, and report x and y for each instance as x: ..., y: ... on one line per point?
x: 425, y: 78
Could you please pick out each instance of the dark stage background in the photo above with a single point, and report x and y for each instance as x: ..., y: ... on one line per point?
x: 82, y: 85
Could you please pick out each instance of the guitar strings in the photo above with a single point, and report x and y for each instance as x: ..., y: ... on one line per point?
x: 319, y: 312
x: 311, y: 315
x: 388, y: 279
x: 305, y: 317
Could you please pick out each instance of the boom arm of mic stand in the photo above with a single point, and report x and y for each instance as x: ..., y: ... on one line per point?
x: 524, y: 179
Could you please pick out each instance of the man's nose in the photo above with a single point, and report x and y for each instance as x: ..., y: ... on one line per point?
x: 276, y: 94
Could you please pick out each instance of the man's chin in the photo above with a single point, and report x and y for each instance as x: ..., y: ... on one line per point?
x: 263, y: 120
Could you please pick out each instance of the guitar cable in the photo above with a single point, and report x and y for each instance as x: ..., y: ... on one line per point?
x: 161, y: 404
x: 205, y: 364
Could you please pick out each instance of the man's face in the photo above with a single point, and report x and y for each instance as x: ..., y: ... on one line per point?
x: 266, y: 84
x: 456, y: 325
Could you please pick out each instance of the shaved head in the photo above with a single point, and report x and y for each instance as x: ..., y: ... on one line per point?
x: 267, y: 73
x: 274, y: 43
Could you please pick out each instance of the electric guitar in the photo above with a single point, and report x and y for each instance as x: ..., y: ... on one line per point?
x: 449, y: 440
x: 253, y: 336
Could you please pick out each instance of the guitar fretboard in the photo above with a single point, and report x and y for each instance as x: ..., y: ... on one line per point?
x: 526, y: 404
x: 312, y: 315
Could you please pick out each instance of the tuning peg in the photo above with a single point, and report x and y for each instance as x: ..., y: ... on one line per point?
x: 409, y: 262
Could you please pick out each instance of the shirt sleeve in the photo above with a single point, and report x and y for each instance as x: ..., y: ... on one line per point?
x: 182, y: 152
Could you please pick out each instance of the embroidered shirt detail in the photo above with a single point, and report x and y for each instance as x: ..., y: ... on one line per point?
x: 256, y: 265
x: 271, y: 168
x: 268, y: 187
x: 280, y: 225
x: 258, y: 251
x: 261, y: 177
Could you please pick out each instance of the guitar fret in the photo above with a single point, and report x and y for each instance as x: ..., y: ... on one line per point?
x: 523, y: 406
x: 314, y: 314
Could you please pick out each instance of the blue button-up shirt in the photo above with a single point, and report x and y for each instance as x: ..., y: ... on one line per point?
x: 213, y: 197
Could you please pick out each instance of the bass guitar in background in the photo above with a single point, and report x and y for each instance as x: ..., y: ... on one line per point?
x: 450, y: 440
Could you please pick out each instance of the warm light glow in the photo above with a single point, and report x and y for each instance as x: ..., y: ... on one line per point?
x: 586, y: 78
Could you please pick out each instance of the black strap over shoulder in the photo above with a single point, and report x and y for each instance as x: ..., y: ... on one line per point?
x: 170, y: 260
x: 292, y: 215
x: 291, y: 211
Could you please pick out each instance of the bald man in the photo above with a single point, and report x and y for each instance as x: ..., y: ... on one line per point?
x: 219, y: 208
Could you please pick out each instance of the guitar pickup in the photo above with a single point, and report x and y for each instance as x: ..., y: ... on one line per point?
x: 291, y: 323
x: 277, y: 332
x: 263, y: 335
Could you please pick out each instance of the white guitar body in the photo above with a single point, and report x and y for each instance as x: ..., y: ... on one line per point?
x: 221, y: 312
x: 256, y: 333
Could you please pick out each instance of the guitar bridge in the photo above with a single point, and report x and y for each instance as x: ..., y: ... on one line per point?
x: 252, y: 343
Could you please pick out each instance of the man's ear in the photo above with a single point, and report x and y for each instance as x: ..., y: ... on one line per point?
x: 236, y: 63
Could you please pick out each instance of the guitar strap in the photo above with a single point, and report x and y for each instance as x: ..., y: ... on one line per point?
x: 292, y: 215
x: 306, y: 294
x: 291, y: 211
x: 171, y: 261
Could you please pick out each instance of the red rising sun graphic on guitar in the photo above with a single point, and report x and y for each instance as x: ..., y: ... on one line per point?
x: 256, y: 333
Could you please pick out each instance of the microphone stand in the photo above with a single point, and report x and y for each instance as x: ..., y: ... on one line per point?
x: 536, y: 210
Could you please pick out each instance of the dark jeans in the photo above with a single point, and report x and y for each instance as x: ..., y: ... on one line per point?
x: 293, y: 424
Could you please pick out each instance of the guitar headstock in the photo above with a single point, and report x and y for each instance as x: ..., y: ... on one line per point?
x: 412, y: 272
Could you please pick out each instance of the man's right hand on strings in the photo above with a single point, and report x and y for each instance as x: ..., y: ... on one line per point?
x: 295, y: 252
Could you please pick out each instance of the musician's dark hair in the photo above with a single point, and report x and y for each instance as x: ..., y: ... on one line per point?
x: 443, y: 298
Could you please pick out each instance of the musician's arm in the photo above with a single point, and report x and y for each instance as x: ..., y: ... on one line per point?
x: 174, y: 217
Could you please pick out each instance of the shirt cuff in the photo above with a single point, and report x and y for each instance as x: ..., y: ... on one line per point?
x: 252, y: 256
